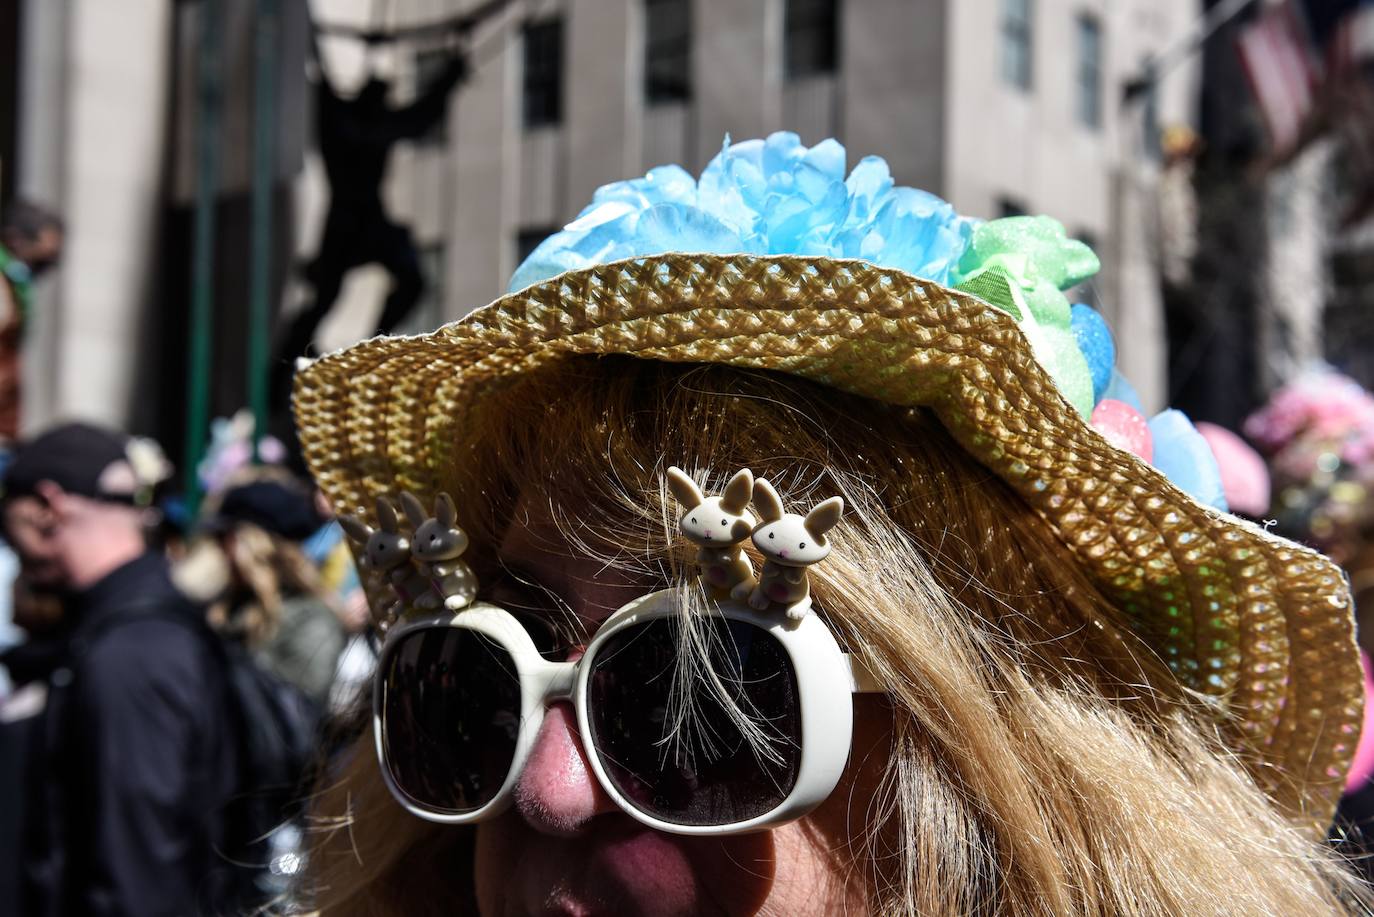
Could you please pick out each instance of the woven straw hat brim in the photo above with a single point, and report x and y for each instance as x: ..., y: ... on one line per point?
x: 1259, y: 624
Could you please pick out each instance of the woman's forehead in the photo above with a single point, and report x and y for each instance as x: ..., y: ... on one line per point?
x: 556, y: 550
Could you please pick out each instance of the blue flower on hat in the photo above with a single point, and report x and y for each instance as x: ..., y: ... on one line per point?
x: 772, y: 196
x: 1184, y: 456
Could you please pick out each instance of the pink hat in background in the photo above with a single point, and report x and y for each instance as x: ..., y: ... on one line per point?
x: 1244, y: 476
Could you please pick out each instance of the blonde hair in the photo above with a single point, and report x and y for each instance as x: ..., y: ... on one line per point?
x: 244, y: 574
x: 1042, y: 760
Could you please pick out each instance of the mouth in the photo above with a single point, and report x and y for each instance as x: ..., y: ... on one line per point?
x: 629, y: 871
x: 622, y: 868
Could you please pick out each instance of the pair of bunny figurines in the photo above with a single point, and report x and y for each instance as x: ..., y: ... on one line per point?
x: 789, y: 542
x: 423, y: 569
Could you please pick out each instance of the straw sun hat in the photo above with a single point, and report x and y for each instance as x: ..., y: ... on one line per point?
x: 775, y: 260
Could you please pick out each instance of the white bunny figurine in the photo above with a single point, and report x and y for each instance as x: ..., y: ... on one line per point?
x: 718, y: 526
x: 789, y: 543
x: 386, y: 557
x: 437, y: 548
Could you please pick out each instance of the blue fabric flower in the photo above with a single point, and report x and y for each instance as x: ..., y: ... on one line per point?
x: 1119, y: 388
x: 1186, y: 459
x: 1095, y: 340
x: 772, y: 196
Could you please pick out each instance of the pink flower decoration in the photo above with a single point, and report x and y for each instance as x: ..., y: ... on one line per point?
x: 1124, y: 427
x: 1244, y: 477
x: 1324, y: 405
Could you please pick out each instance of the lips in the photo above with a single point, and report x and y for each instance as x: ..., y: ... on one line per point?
x: 624, y: 869
x: 632, y: 872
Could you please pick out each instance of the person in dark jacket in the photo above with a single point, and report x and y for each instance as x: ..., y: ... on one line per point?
x: 134, y: 755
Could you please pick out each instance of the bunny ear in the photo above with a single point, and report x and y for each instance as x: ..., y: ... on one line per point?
x: 684, y: 488
x: 445, y: 511
x: 386, y: 515
x: 738, y: 491
x: 824, y: 516
x: 767, y: 501
x: 414, y: 511
x: 355, y: 529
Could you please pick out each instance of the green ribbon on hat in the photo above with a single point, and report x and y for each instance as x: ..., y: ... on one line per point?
x: 1021, y: 265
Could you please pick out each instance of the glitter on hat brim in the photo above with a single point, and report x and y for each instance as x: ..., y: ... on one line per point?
x: 1258, y: 624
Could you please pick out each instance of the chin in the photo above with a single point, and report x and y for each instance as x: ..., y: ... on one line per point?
x: 618, y: 867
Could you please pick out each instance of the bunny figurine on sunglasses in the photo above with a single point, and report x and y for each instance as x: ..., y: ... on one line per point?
x: 437, y: 549
x: 790, y: 543
x: 386, y: 555
x: 719, y: 527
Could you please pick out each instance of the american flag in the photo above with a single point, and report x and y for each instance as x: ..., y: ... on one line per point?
x: 1276, y: 54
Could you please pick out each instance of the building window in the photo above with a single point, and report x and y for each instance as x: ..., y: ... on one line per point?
x: 667, y: 51
x: 1089, y: 71
x: 543, y: 80
x: 527, y: 240
x: 1016, y: 42
x: 429, y: 66
x: 1010, y: 207
x: 811, y: 38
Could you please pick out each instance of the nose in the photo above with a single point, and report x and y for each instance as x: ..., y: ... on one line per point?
x: 558, y: 794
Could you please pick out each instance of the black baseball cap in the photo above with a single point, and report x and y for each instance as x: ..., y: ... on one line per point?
x: 81, y: 458
x: 282, y: 506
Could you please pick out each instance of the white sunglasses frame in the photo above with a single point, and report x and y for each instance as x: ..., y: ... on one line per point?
x: 826, y: 679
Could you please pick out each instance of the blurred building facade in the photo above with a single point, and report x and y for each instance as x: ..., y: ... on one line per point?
x: 91, y: 84
x: 1000, y: 106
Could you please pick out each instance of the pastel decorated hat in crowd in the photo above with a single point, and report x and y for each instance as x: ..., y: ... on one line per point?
x: 1318, y: 431
x: 778, y: 258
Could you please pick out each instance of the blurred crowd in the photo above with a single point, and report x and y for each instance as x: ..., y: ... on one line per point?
x: 168, y: 679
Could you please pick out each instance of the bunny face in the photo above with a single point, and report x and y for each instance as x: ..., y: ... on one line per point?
x: 788, y: 539
x: 437, y: 538
x: 714, y: 521
x: 712, y: 524
x: 434, y: 541
x: 789, y: 543
x: 385, y: 550
x: 384, y: 547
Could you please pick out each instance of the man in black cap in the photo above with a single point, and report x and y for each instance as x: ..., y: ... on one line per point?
x: 135, y: 756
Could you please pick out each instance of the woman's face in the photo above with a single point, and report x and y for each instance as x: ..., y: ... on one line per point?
x: 565, y: 848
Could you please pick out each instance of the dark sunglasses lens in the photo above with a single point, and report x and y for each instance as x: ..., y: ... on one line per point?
x: 682, y: 751
x: 450, y: 717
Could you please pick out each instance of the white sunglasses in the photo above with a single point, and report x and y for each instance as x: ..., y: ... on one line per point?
x: 458, y: 702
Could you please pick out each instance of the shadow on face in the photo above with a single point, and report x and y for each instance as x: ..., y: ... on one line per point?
x: 32, y: 531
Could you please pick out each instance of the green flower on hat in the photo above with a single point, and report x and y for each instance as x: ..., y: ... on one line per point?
x: 1022, y: 265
